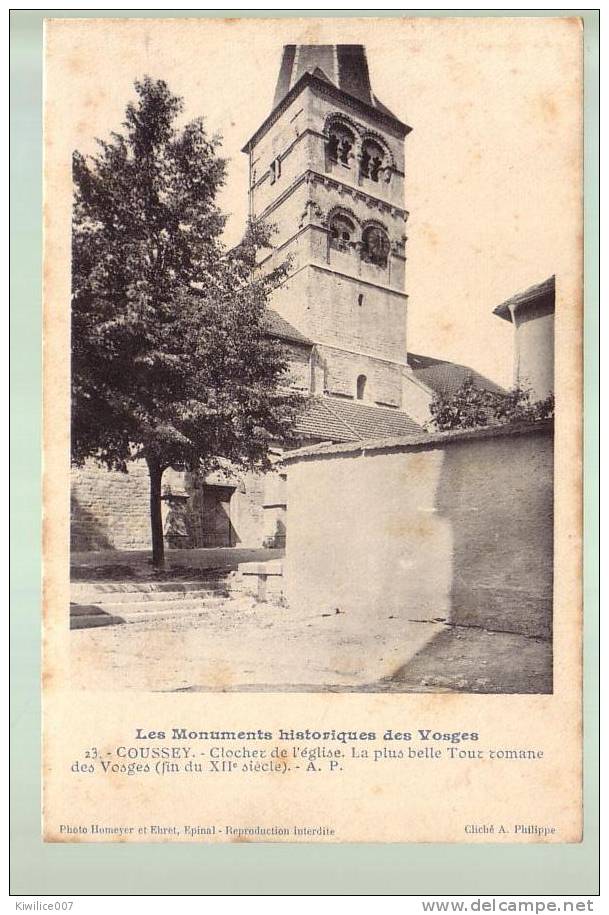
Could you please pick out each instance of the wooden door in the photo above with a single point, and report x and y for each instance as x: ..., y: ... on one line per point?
x: 216, y: 524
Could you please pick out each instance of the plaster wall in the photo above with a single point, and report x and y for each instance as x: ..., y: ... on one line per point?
x: 534, y: 354
x: 460, y: 530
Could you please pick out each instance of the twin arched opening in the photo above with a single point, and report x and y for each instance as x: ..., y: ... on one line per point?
x: 372, y: 242
x: 347, y: 143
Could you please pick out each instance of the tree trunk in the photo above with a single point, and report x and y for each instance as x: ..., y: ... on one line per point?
x: 156, y: 522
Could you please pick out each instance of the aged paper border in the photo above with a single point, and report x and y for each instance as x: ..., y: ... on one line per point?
x: 552, y: 722
x: 25, y: 630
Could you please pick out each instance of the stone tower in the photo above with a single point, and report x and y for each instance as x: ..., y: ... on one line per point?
x: 326, y: 169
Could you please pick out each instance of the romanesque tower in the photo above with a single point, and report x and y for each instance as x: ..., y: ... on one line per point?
x: 327, y: 169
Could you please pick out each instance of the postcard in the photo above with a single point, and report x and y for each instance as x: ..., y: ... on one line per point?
x: 312, y: 430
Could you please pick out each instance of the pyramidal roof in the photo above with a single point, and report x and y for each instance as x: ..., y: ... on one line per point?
x: 345, y: 65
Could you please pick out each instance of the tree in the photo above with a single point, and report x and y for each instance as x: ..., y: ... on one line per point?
x: 470, y: 406
x: 170, y: 360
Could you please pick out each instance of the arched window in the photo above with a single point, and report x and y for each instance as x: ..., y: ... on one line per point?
x: 373, y: 159
x: 361, y: 387
x: 375, y: 246
x: 340, y: 144
x: 342, y: 232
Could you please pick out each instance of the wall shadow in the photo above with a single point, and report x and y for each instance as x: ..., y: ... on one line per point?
x: 86, y: 532
x: 89, y: 616
x: 497, y: 495
x: 470, y: 660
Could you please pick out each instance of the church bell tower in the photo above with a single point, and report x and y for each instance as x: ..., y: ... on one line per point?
x: 326, y: 168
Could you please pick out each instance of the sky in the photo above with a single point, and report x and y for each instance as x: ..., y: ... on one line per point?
x: 492, y: 182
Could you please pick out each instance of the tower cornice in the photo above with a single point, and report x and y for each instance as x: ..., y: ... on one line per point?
x: 327, y: 89
x: 360, y: 280
x: 311, y: 176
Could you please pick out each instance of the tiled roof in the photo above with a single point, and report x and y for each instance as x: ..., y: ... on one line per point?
x: 367, y: 421
x: 279, y: 327
x: 446, y: 377
x: 318, y: 421
x: 336, y: 420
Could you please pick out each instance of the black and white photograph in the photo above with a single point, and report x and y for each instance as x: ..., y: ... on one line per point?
x: 312, y: 369
x: 312, y: 430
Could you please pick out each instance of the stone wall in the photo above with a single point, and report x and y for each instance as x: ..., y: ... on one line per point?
x: 299, y: 371
x: 342, y: 369
x: 416, y: 398
x: 456, y: 526
x: 110, y: 511
x: 350, y: 333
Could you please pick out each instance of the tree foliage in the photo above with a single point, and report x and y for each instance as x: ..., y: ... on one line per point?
x: 470, y: 406
x: 170, y: 359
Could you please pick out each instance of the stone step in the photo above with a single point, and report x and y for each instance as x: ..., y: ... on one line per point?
x: 105, y: 614
x: 144, y: 597
x: 138, y: 606
x: 93, y: 620
x: 83, y: 591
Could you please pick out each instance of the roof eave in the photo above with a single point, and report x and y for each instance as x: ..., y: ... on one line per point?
x: 298, y: 341
x: 503, y: 311
x: 531, y: 296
